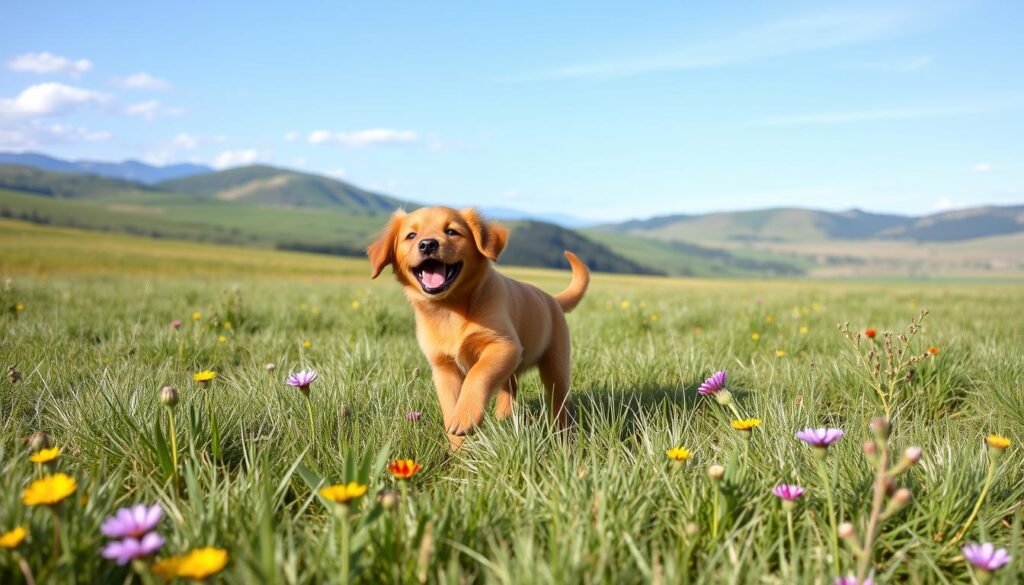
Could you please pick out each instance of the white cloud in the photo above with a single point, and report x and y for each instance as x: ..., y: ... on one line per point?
x: 336, y: 173
x: 943, y: 204
x: 143, y: 81
x: 237, y: 158
x: 982, y: 167
x: 36, y: 134
x: 152, y: 109
x: 47, y: 99
x: 770, y: 40
x: 47, y: 63
x: 292, y: 136
x: 186, y: 141
x: 364, y: 138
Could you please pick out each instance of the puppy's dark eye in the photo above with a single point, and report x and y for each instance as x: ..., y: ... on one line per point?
x: 410, y: 236
x: 451, y: 232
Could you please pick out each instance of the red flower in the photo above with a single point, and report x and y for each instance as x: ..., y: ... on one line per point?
x: 933, y: 350
x: 404, y: 468
x: 870, y: 333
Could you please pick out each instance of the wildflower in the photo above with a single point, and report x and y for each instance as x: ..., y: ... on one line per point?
x: 746, y: 424
x: 125, y: 551
x: 13, y: 538
x: 201, y: 563
x: 49, y: 491
x: 355, y: 304
x: 846, y: 531
x: 678, y: 454
x: 176, y: 324
x: 413, y: 415
x: 221, y: 339
x: 270, y: 367
x: 19, y: 307
x: 716, y: 472
x: 932, y: 350
x: 713, y: 384
x: 654, y: 317
x: 880, y: 427
x: 343, y: 493
x: 870, y: 333
x: 986, y: 557
x: 698, y: 330
x: 197, y: 316
x: 167, y: 568
x: 204, y: 377
x: 997, y: 442
x: 769, y: 319
x: 169, y: 396
x: 302, y: 380
x: 404, y: 468
x: 755, y: 336
x: 389, y: 499
x: 788, y: 492
x: 804, y: 329
x: 307, y: 344
x: 45, y: 455
x: 852, y: 580
x: 780, y: 353
x: 624, y: 304
x: 227, y: 325
x: 132, y: 522
x: 820, y: 437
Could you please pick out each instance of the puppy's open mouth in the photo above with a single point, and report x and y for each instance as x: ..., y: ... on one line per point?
x: 435, y: 276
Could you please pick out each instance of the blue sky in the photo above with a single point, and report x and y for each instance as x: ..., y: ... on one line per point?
x: 591, y: 109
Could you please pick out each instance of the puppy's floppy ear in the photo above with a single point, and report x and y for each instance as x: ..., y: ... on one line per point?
x: 490, y: 237
x: 382, y: 250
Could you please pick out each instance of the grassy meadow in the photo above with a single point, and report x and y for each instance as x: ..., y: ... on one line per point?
x: 85, y: 323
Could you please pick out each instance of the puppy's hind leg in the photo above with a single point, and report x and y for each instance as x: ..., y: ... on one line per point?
x: 555, y: 374
x: 506, y: 399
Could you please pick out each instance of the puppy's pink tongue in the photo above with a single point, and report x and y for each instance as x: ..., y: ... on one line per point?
x: 433, y: 278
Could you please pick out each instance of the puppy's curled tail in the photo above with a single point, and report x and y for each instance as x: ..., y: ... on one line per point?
x: 571, y: 296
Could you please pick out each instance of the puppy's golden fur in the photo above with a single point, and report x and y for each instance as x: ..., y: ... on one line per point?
x: 477, y: 328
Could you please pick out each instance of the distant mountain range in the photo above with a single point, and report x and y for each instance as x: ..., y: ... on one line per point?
x: 268, y: 206
x: 130, y: 170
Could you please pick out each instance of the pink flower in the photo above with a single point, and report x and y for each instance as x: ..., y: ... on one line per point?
x: 176, y: 324
x: 820, y: 437
x: 132, y: 522
x: 986, y: 556
x: 851, y: 580
x: 713, y: 384
x: 788, y: 492
x: 413, y: 415
x: 302, y: 380
x: 124, y: 551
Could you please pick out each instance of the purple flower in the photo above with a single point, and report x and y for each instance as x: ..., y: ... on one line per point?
x: 788, y: 492
x: 413, y: 415
x: 820, y: 437
x: 176, y: 324
x: 713, y: 384
x: 851, y: 580
x: 986, y: 556
x: 133, y: 522
x: 124, y: 551
x: 301, y: 380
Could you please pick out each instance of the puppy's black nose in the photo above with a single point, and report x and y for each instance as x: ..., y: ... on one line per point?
x: 428, y: 247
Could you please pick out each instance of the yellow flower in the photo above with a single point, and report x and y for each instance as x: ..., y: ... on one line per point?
x: 204, y: 376
x: 45, y: 455
x: 227, y: 325
x: 745, y: 424
x: 19, y: 307
x: 769, y: 319
x: 654, y: 317
x: 678, y: 454
x: 201, y: 563
x: 755, y: 336
x: 355, y: 304
x: 804, y: 330
x: 197, y: 316
x: 624, y: 304
x: 780, y: 353
x: 307, y: 344
x: 12, y: 538
x: 221, y: 339
x: 997, y: 441
x: 49, y: 491
x: 343, y: 493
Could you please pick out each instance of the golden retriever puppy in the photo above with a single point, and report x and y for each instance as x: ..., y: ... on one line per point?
x: 477, y: 328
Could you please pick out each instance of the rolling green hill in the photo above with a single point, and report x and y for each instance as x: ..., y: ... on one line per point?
x: 66, y: 185
x: 265, y: 185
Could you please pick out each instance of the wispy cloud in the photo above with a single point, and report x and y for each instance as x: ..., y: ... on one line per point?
x: 982, y: 167
x: 153, y: 109
x: 851, y: 117
x: 770, y: 40
x: 143, y: 81
x: 364, y: 138
x: 36, y: 133
x: 46, y: 63
x: 47, y: 99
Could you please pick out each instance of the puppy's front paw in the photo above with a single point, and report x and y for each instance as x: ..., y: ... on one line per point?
x: 465, y: 422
